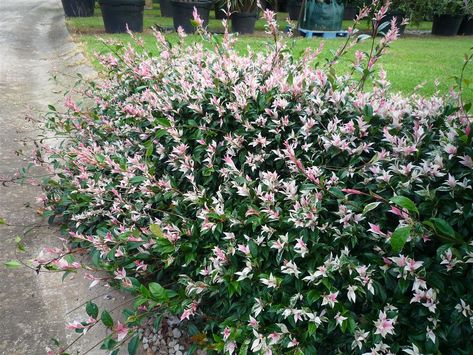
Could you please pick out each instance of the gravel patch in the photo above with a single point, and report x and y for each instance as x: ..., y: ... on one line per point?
x: 169, y: 339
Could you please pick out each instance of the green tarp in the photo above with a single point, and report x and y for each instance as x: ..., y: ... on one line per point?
x: 321, y: 15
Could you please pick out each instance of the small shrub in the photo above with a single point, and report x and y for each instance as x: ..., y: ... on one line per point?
x: 274, y: 206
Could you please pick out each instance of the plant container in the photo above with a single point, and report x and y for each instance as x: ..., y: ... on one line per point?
x: 267, y: 4
x: 244, y: 22
x: 294, y: 9
x: 282, y: 5
x: 182, y: 13
x: 446, y: 25
x: 388, y: 18
x: 78, y: 8
x: 350, y: 12
x: 118, y: 14
x: 220, y: 11
x: 466, y: 27
x: 166, y: 8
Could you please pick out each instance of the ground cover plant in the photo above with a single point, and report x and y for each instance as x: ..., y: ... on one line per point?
x: 272, y: 204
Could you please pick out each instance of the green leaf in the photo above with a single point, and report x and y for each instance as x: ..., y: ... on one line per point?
x: 253, y: 248
x: 2, y: 221
x: 244, y: 348
x: 156, y: 230
x: 164, y: 246
x: 406, y: 203
x: 133, y: 345
x: 442, y: 227
x: 158, y: 292
x: 403, y: 285
x: 13, y: 264
x: 108, y: 343
x: 370, y: 206
x: 351, y: 325
x: 106, y: 319
x: 138, y: 179
x: 313, y: 296
x: 19, y: 244
x: 337, y: 193
x: 140, y: 88
x: 163, y: 122
x: 144, y: 291
x: 399, y: 238
x: 192, y: 349
x: 92, y: 309
x: 312, y: 328
x: 160, y: 133
x: 65, y: 275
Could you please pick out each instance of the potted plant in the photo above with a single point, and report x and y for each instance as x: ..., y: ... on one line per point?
x: 78, y: 8
x: 351, y: 8
x: 183, y: 13
x: 412, y: 10
x: 466, y: 27
x: 281, y: 5
x: 118, y: 15
x: 166, y: 8
x: 294, y: 9
x: 220, y: 9
x: 244, y: 14
x: 448, y: 16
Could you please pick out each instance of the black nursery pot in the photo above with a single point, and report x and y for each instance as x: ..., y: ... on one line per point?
x: 78, y: 8
x: 388, y: 18
x: 220, y: 12
x: 466, y: 27
x: 117, y: 14
x: 244, y: 22
x: 182, y: 14
x: 350, y: 12
x: 166, y: 8
x: 446, y: 25
x: 294, y: 9
x: 282, y: 5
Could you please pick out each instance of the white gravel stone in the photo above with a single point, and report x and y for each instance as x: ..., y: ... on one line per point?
x: 172, y: 321
x: 164, y: 341
x: 176, y: 333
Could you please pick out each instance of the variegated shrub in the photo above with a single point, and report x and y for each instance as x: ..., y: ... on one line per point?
x: 274, y: 206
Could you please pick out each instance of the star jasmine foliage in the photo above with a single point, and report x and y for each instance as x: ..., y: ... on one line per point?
x: 273, y: 206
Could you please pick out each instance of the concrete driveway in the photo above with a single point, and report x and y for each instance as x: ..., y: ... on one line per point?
x: 34, y: 46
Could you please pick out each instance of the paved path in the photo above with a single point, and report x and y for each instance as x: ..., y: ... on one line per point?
x: 34, y: 45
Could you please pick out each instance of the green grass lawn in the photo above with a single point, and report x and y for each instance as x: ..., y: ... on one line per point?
x: 411, y: 60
